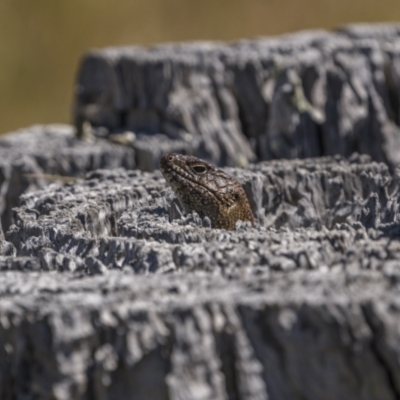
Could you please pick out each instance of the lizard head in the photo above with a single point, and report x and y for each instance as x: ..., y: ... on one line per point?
x: 207, y: 190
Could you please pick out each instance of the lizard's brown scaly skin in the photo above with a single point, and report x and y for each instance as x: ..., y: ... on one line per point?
x: 207, y: 190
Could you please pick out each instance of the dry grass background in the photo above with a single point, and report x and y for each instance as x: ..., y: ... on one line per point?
x: 41, y: 41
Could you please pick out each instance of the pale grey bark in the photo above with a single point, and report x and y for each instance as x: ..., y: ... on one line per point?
x: 108, y: 290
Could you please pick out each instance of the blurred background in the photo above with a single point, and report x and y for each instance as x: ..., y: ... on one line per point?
x: 42, y: 41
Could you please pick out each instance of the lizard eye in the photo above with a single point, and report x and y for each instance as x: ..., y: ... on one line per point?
x: 199, y: 169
